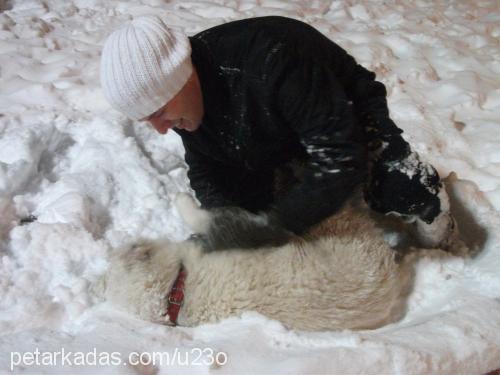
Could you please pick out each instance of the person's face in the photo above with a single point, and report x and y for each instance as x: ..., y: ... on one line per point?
x: 183, y: 111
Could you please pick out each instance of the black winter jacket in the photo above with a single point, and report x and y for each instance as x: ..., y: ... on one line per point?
x: 274, y: 90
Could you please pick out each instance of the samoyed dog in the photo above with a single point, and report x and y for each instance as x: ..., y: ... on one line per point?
x: 342, y: 276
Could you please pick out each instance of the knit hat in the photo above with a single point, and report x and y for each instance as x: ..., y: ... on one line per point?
x: 144, y: 65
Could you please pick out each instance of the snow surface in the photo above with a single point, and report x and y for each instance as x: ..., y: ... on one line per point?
x: 96, y: 180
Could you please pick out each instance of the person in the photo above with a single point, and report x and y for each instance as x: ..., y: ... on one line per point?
x: 275, y: 118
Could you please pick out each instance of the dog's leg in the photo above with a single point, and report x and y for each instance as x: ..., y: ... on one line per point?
x: 229, y: 227
x: 197, y: 218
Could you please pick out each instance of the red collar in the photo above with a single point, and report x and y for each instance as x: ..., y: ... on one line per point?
x: 176, y: 297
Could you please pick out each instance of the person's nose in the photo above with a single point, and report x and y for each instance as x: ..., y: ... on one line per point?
x: 159, y: 124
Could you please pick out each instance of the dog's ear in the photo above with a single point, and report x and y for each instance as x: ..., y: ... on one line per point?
x: 197, y: 218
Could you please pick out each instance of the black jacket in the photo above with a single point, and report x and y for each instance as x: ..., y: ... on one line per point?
x: 274, y: 90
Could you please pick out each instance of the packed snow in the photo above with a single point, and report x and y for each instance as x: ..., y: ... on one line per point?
x: 95, y: 180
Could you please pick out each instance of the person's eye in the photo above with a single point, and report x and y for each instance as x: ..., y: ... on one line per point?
x: 156, y: 114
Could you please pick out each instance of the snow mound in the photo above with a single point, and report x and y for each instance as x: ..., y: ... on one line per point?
x: 77, y: 180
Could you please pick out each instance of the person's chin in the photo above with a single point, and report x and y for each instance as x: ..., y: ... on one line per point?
x: 189, y: 126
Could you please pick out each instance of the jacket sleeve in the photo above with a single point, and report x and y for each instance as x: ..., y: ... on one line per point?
x: 219, y: 184
x: 207, y: 178
x: 315, y: 105
x: 369, y: 97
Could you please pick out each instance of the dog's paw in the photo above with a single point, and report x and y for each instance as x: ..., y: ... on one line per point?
x: 197, y: 218
x: 184, y: 201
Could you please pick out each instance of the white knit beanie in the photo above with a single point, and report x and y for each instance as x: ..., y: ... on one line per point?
x: 144, y: 65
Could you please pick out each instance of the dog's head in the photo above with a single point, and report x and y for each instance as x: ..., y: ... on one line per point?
x: 140, y: 277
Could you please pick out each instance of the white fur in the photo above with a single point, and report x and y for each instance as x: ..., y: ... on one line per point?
x: 191, y: 213
x: 345, y: 279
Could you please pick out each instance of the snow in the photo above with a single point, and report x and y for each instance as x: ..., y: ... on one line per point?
x: 96, y: 180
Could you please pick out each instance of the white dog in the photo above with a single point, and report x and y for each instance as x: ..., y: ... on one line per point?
x: 346, y: 278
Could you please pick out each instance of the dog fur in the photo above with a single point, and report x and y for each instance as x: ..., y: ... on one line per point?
x: 345, y: 278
